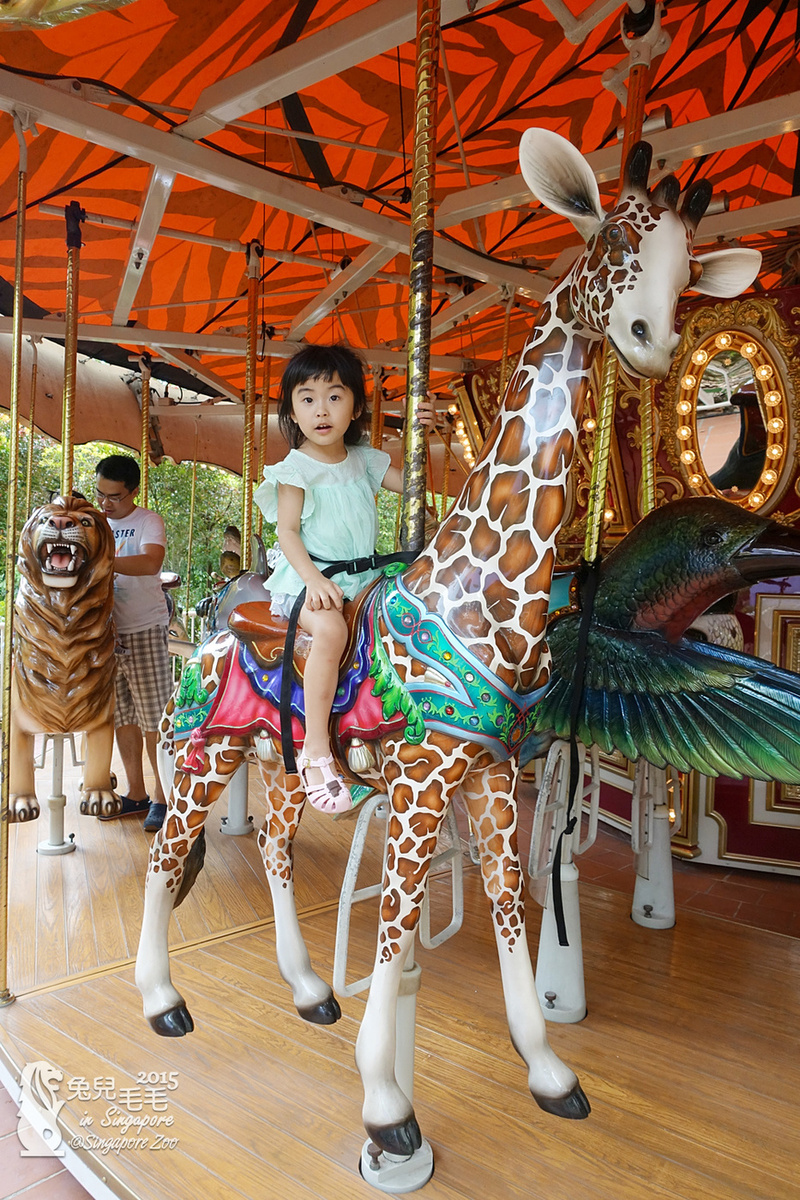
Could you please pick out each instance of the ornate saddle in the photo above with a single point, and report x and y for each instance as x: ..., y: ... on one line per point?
x: 264, y: 634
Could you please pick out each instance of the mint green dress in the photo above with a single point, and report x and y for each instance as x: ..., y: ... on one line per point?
x: 339, y: 517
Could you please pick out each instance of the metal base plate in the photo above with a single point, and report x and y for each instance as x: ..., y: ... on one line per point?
x: 397, y: 1175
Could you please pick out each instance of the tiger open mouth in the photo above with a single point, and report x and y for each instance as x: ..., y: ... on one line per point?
x: 61, y: 559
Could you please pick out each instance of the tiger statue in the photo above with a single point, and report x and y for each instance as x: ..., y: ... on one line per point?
x: 63, y: 661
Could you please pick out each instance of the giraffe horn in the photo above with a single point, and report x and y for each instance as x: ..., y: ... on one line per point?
x: 637, y: 167
x: 695, y: 203
x: 667, y: 192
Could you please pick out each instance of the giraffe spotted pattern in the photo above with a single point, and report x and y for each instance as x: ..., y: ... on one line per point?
x: 487, y: 574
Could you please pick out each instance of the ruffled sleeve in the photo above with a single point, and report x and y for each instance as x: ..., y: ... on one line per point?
x: 287, y: 471
x: 376, y: 464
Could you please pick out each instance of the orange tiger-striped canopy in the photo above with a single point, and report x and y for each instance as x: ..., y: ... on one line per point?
x: 291, y: 123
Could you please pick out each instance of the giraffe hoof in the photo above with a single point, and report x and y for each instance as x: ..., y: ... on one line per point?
x: 574, y: 1106
x: 176, y: 1022
x: 402, y: 1139
x: 325, y: 1013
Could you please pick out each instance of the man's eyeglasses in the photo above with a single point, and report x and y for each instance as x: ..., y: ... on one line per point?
x: 114, y: 498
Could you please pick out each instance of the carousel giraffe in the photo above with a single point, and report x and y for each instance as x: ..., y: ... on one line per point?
x: 461, y: 633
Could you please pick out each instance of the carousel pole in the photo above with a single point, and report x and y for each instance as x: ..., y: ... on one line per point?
x: 74, y: 215
x: 264, y: 430
x: 634, y: 119
x: 444, y: 502
x: 638, y: 77
x: 31, y: 417
x: 509, y: 299
x: 412, y: 528
x: 190, y: 537
x: 7, y: 997
x: 388, y: 1172
x: 375, y: 434
x: 254, y: 252
x: 144, y: 367
x: 563, y: 916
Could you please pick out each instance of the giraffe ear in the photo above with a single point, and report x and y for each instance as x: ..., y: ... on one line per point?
x: 561, y: 179
x: 725, y: 272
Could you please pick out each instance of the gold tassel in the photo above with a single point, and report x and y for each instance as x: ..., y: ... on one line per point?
x: 264, y: 747
x: 360, y: 757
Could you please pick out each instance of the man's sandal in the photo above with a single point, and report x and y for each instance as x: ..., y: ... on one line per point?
x: 330, y: 795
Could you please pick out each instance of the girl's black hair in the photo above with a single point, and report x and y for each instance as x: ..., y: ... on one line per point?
x: 323, y: 362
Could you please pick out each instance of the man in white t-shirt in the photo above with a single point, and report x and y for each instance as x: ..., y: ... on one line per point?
x: 144, y: 682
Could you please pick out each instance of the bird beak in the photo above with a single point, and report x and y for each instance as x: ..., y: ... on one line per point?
x: 772, y: 554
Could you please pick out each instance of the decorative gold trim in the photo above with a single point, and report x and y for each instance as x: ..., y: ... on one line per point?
x: 744, y: 323
x: 791, y: 662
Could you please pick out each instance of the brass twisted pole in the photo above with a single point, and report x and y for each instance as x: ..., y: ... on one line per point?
x: 647, y: 500
x: 73, y: 215
x: 254, y: 253
x: 144, y: 365
x: 190, y: 537
x: 31, y: 418
x: 602, y: 455
x: 634, y: 119
x: 638, y: 78
x: 504, y: 359
x: 375, y: 433
x: 6, y: 996
x: 412, y: 528
x: 263, y: 431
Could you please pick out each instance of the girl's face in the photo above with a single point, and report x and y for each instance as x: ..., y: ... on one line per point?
x: 323, y: 410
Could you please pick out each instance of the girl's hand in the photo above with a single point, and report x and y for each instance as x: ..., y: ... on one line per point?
x: 323, y: 593
x: 426, y: 413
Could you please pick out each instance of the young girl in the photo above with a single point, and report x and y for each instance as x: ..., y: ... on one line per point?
x: 322, y: 496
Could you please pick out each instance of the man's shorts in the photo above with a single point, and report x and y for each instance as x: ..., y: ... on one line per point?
x: 144, y: 679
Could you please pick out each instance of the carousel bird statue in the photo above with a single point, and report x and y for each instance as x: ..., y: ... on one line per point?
x: 652, y: 692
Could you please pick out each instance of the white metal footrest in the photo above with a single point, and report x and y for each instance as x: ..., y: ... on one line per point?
x: 377, y: 806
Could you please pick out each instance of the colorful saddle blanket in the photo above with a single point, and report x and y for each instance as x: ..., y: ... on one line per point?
x: 456, y: 693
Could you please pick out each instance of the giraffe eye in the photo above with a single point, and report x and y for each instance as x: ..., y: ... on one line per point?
x: 613, y: 235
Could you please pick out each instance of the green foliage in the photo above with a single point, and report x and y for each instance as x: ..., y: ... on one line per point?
x: 217, y: 504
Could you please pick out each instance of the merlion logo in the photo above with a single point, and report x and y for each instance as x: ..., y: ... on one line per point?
x: 38, y: 1111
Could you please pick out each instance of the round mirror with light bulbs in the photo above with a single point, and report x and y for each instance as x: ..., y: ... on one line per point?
x: 729, y: 405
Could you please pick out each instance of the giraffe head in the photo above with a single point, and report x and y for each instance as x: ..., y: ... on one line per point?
x: 638, y: 257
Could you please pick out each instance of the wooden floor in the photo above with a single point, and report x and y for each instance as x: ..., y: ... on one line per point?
x: 79, y: 912
x: 688, y: 1054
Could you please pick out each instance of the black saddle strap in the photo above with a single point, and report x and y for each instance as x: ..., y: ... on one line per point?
x: 354, y: 566
x: 588, y: 587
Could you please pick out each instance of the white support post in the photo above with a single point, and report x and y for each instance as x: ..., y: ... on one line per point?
x: 651, y: 820
x: 237, y: 821
x: 559, y: 969
x: 57, y: 801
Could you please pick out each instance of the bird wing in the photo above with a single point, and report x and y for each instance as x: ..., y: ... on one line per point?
x: 692, y: 704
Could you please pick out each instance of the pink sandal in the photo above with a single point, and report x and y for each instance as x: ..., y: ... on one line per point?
x: 331, y: 794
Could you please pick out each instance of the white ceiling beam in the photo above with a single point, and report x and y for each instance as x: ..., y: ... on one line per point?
x: 172, y: 340
x: 671, y: 147
x: 741, y: 222
x: 159, y: 189
x: 362, y: 268
x: 454, y: 314
x: 757, y: 218
x: 377, y: 28
x: 187, y: 362
x: 123, y: 135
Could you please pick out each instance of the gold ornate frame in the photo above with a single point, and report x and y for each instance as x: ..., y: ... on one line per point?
x: 754, y: 328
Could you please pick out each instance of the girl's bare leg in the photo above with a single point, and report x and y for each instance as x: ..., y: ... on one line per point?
x: 329, y: 633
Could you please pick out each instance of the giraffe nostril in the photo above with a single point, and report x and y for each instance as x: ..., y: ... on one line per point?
x: 639, y: 329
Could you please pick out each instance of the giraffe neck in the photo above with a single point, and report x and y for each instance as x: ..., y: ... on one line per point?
x: 488, y: 570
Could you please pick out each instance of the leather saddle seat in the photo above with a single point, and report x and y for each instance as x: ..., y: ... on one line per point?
x: 264, y: 634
